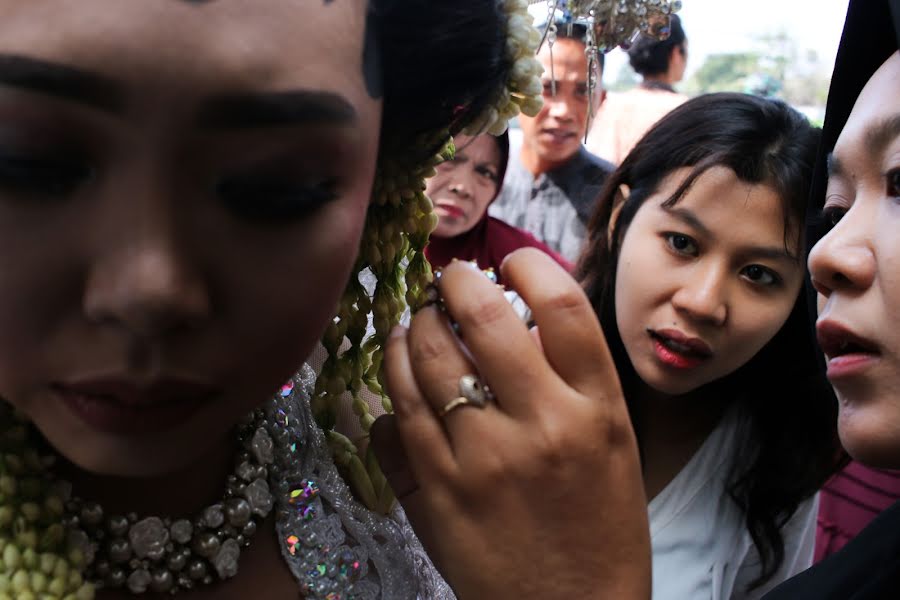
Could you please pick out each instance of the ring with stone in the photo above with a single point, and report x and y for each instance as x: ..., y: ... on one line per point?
x: 474, y: 390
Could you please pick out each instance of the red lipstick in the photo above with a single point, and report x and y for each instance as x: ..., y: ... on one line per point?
x: 674, y: 349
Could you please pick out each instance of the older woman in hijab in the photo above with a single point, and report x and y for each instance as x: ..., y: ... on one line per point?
x: 461, y: 191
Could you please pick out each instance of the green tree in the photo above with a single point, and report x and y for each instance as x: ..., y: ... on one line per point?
x: 724, y: 73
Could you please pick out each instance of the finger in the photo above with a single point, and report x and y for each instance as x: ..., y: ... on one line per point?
x: 422, y: 435
x: 388, y: 447
x: 570, y: 332
x: 438, y: 362
x: 394, y: 462
x: 496, y: 338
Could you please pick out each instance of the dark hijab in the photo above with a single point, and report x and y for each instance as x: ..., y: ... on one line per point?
x: 868, y: 568
x: 871, y: 35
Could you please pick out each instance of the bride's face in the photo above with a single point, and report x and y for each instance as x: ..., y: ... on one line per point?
x: 183, y: 187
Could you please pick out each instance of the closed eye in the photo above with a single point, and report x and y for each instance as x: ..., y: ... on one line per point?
x: 266, y: 200
x: 39, y: 176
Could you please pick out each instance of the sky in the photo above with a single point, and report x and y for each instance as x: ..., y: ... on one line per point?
x: 719, y: 26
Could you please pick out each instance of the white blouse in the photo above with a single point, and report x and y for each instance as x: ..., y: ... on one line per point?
x: 701, y: 546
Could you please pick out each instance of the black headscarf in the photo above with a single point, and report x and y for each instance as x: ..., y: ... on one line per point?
x: 871, y: 35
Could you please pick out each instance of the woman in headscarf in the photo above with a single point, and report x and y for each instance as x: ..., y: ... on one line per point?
x: 462, y: 190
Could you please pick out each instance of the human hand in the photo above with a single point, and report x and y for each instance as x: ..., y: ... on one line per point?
x: 539, y: 494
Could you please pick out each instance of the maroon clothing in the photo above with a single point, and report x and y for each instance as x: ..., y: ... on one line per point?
x: 849, y: 501
x: 488, y: 243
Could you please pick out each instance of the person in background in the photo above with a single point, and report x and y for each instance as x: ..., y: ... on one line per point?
x: 553, y: 180
x: 462, y: 190
x: 625, y: 118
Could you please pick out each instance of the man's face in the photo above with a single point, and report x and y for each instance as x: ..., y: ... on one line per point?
x: 555, y: 134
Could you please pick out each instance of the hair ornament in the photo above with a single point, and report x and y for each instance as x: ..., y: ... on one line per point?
x: 614, y: 23
x: 522, y: 93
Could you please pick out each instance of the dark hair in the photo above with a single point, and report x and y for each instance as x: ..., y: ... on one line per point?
x: 790, y: 442
x: 426, y: 86
x: 649, y: 56
x: 502, y: 142
x: 574, y: 30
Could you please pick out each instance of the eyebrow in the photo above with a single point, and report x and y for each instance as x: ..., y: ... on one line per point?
x: 771, y: 253
x: 60, y: 81
x: 882, y: 133
x: 277, y: 109
x: 234, y: 111
x: 689, y: 218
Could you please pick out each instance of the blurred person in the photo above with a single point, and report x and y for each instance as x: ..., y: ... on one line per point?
x: 553, y: 181
x: 462, y: 190
x: 624, y: 118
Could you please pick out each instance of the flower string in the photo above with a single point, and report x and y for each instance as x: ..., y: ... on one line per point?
x: 400, y: 219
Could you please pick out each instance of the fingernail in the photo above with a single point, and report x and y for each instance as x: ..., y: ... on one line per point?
x: 397, y: 332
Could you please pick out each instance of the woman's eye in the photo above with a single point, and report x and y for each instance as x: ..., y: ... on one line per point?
x: 760, y: 275
x: 38, y: 176
x: 682, y: 244
x: 487, y: 174
x: 267, y: 200
x: 893, y: 183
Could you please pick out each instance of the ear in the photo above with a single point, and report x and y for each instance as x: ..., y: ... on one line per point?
x: 598, y: 99
x: 618, y: 202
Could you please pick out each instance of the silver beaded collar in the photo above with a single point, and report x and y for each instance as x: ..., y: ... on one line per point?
x: 164, y: 555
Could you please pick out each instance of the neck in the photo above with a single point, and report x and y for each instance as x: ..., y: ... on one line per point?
x: 179, y: 494
x: 537, y: 165
x: 662, y: 80
x: 672, y: 429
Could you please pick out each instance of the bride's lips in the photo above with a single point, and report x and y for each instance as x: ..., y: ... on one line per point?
x: 121, y: 406
x: 849, y: 354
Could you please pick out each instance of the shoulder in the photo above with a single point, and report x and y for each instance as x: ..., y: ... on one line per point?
x: 866, y: 568
x: 595, y: 167
x: 523, y: 239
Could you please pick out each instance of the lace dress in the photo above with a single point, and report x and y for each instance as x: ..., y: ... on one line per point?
x: 335, y: 547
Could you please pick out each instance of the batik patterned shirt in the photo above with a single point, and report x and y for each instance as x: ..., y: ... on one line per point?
x: 555, y: 206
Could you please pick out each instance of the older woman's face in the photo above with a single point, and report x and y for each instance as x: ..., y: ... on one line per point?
x: 182, y: 191
x: 856, y: 269
x: 465, y: 186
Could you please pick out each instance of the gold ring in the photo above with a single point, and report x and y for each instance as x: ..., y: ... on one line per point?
x: 452, y: 405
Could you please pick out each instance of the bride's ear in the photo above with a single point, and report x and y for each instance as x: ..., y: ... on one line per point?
x: 618, y: 202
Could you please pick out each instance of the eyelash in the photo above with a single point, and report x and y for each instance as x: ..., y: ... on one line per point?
x: 774, y: 278
x: 831, y: 214
x: 893, y: 183
x: 485, y: 172
x: 48, y: 178
x: 270, y: 200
